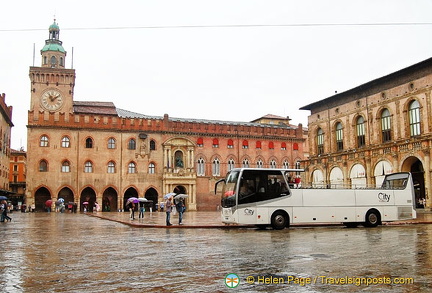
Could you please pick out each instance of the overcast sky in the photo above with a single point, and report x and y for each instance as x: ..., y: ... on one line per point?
x: 233, y: 60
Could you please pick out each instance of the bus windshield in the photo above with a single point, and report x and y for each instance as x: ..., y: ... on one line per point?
x: 395, y: 181
x: 253, y: 185
x: 228, y: 192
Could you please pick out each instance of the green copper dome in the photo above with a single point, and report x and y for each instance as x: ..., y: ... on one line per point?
x: 53, y: 47
x: 54, y: 26
x: 53, y: 43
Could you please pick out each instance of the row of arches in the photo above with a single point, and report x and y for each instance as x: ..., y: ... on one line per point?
x: 109, y: 201
x: 358, y: 176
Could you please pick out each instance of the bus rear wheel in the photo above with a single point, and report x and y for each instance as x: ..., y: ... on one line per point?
x: 373, y: 218
x: 279, y: 220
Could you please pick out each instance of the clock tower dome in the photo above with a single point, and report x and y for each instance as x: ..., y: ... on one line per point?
x: 52, y: 85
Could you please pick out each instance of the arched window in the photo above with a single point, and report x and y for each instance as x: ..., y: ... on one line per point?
x: 65, y: 168
x: 273, y: 164
x: 152, y: 145
x: 231, y: 164
x: 53, y: 61
x: 132, y: 168
x: 258, y: 144
x: 245, y: 144
x: 216, y: 167
x: 245, y: 163
x: 260, y: 163
x: 339, y: 137
x: 132, y: 144
x: 111, y: 167
x: 230, y: 144
x: 385, y: 126
x: 285, y: 164
x: 89, y: 143
x: 88, y: 167
x: 297, y: 166
x: 65, y: 142
x: 361, y: 132
x: 43, y: 141
x: 111, y: 143
x: 320, y: 141
x: 43, y: 166
x: 200, y: 167
x: 414, y: 118
x: 283, y: 146
x: 200, y: 142
x: 152, y: 168
x: 215, y: 142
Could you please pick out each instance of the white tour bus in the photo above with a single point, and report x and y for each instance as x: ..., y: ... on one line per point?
x: 266, y: 197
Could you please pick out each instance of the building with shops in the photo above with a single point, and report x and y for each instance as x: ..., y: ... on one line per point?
x: 17, y: 177
x: 95, y: 152
x: 5, y: 140
x: 383, y: 126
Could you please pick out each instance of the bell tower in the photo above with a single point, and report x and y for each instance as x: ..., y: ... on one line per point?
x: 52, y: 85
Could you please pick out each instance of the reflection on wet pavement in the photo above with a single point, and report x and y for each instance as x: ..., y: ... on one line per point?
x: 76, y: 253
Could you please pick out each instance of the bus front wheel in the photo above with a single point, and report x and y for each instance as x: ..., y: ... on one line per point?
x: 279, y: 220
x: 373, y: 218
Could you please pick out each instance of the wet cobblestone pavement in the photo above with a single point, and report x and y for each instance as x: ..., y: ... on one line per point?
x: 56, y: 252
x: 212, y: 219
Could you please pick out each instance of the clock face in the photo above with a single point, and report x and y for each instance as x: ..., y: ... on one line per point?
x: 52, y: 100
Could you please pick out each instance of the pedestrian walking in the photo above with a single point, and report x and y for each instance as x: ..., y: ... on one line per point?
x: 5, y: 216
x: 168, y: 209
x: 132, y: 210
x: 180, y: 207
x: 3, y: 210
x: 141, y: 210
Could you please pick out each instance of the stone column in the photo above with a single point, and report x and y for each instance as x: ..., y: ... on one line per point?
x: 427, y: 175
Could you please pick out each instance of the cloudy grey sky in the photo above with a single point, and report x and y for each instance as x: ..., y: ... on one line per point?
x: 233, y: 60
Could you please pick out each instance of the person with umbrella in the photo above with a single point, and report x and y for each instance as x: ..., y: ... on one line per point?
x: 48, y: 204
x: 131, y: 204
x: 141, y: 207
x: 3, y: 210
x: 180, y: 207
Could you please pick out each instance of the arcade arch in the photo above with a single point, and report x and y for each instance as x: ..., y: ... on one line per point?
x: 130, y: 192
x: 42, y: 194
x: 336, y: 177
x: 152, y: 194
x: 88, y: 195
x: 358, y: 176
x: 415, y: 166
x: 382, y: 168
x: 109, y: 200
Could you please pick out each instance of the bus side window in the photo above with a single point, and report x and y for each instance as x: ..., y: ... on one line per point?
x: 284, y: 189
x: 247, y: 191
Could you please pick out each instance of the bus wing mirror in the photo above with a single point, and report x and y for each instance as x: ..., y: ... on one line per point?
x: 216, y: 184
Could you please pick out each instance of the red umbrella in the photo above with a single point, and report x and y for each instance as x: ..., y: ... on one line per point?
x: 48, y: 203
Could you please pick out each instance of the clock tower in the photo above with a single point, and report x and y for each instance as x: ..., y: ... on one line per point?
x: 52, y: 85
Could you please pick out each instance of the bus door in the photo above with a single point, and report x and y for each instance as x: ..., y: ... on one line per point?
x: 247, y: 197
